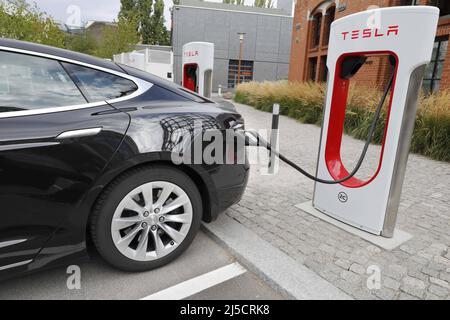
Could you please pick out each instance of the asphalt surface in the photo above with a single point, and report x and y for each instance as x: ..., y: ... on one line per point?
x: 100, y: 281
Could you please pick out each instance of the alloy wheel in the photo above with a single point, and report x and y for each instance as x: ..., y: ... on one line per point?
x: 151, y: 221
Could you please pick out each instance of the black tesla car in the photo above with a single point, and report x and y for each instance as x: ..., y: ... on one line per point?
x: 86, y: 153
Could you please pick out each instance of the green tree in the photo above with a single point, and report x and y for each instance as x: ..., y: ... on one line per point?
x: 236, y: 2
x: 263, y: 3
x: 84, y: 43
x: 159, y: 33
x: 260, y: 3
x: 144, y: 11
x: 118, y: 39
x: 22, y: 21
x: 128, y: 9
x: 150, y: 20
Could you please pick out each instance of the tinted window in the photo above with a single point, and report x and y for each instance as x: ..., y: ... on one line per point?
x: 99, y: 86
x: 157, y: 93
x: 28, y: 82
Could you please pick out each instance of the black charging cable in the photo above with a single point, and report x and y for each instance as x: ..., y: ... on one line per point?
x: 259, y: 141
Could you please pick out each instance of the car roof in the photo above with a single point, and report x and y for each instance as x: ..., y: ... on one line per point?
x: 62, y: 53
x: 102, y: 63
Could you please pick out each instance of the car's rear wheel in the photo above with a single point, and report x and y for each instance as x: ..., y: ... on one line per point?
x: 146, y: 218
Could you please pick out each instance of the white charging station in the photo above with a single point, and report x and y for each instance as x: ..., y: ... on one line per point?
x: 198, y: 66
x: 406, y: 34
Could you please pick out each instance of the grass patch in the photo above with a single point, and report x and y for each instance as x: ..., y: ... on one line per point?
x: 304, y: 102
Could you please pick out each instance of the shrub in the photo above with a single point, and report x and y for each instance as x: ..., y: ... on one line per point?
x: 304, y: 101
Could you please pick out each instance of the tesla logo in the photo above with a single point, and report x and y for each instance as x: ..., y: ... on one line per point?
x: 191, y: 53
x: 343, y: 197
x: 370, y: 33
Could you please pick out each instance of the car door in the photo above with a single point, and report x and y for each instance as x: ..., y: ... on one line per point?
x: 57, y: 134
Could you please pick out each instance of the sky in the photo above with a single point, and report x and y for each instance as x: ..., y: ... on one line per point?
x: 72, y: 12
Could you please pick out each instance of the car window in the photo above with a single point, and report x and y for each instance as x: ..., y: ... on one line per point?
x: 157, y: 93
x: 98, y: 85
x: 29, y: 82
x: 166, y: 84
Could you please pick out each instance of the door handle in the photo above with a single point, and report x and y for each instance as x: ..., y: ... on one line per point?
x: 80, y: 133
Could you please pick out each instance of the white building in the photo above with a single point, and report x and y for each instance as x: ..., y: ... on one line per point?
x: 157, y: 60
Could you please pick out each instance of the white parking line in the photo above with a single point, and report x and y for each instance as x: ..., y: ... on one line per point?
x: 195, y: 285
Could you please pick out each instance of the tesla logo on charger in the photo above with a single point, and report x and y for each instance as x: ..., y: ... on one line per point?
x: 191, y: 53
x: 370, y: 33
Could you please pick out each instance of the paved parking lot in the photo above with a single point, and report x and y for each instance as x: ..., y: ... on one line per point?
x: 225, y: 279
x: 419, y: 269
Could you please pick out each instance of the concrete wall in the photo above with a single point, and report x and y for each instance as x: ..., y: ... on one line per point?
x: 267, y: 41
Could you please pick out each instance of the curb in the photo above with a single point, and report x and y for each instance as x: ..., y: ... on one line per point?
x: 281, y: 272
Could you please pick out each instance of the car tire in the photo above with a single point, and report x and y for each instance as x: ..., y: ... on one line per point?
x: 165, y: 240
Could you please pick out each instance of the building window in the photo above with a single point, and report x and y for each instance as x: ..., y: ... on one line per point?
x: 316, y: 26
x: 323, y: 74
x: 319, y: 33
x: 233, y: 71
x: 434, y: 70
x: 443, y: 5
x: 312, y: 69
x: 329, y: 18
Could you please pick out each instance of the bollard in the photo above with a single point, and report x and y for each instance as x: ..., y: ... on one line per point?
x: 274, y: 136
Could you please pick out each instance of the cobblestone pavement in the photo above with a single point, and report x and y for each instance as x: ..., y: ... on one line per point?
x: 419, y: 269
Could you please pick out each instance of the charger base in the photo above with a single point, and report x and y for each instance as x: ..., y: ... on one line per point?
x: 397, y: 240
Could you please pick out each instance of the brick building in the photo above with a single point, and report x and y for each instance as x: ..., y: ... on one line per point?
x: 312, y: 20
